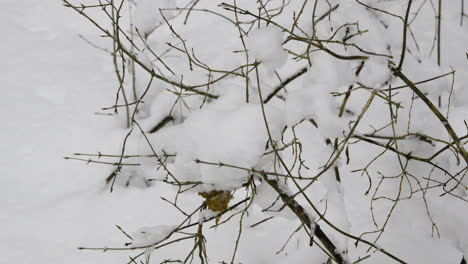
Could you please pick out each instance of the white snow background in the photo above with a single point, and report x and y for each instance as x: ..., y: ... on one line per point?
x: 54, y: 84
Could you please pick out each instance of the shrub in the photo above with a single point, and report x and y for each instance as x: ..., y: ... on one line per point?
x: 339, y: 116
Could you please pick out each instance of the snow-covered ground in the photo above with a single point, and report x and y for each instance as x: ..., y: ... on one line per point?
x: 52, y: 82
x: 53, y: 86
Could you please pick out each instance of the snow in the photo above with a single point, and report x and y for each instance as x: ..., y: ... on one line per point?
x: 52, y: 86
x: 230, y: 136
x: 309, y: 102
x: 151, y: 235
x: 148, y: 15
x: 264, y: 44
x: 205, y: 215
x: 56, y: 84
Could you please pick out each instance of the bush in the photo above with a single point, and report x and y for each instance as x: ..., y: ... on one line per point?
x: 339, y: 117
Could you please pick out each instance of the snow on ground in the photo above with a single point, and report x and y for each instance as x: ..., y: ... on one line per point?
x: 52, y: 82
x: 54, y: 85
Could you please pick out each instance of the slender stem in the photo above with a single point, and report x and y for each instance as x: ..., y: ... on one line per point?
x: 436, y: 112
x: 439, y: 18
x: 405, y: 29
